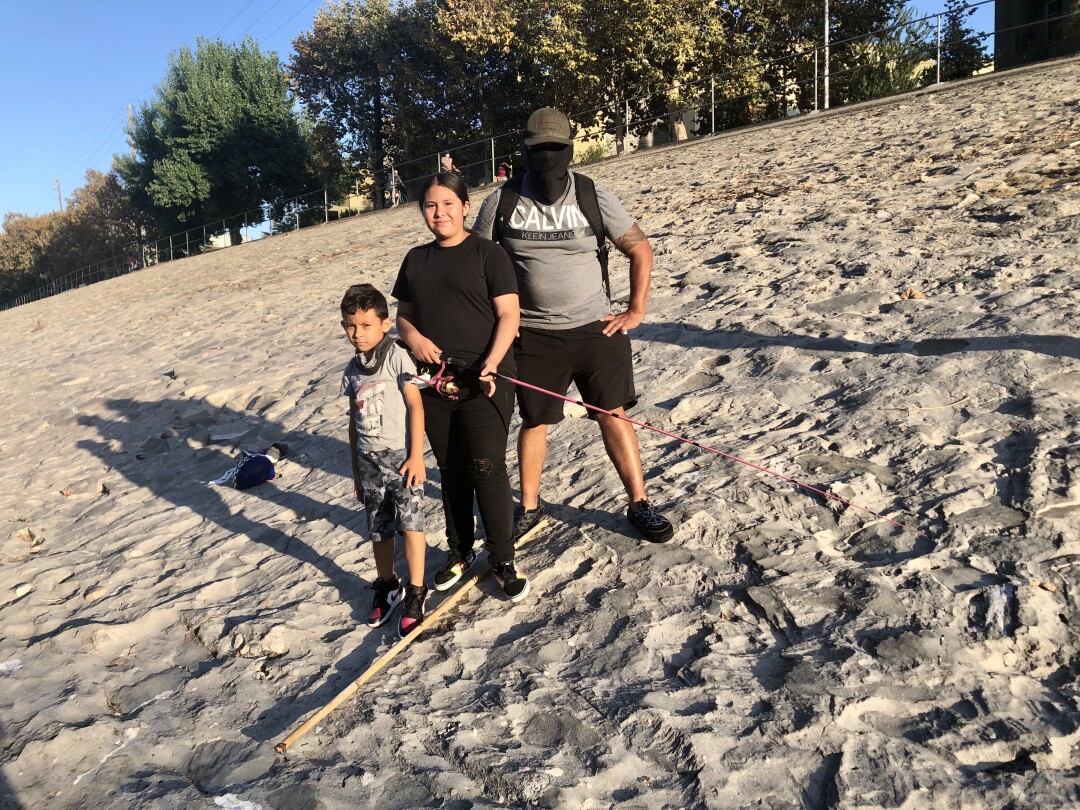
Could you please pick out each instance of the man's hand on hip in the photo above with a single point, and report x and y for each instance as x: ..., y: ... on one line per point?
x: 623, y: 322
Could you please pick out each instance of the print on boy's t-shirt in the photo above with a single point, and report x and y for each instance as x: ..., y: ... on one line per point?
x: 370, y: 403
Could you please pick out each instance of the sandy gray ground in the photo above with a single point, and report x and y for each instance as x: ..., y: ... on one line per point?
x: 159, y: 635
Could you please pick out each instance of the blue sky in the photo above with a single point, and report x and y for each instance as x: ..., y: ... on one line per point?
x: 71, y: 67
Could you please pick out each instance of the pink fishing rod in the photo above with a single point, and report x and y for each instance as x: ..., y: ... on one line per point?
x: 716, y: 451
x: 713, y: 450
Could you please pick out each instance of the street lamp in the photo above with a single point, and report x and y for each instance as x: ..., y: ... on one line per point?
x: 826, y: 54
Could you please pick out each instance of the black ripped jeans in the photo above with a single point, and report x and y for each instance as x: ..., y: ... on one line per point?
x: 468, y: 438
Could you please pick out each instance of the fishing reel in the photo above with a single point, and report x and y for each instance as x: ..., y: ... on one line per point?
x: 447, y: 389
x: 443, y: 382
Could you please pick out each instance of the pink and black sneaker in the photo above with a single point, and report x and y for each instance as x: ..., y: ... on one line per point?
x: 388, y: 595
x: 412, y: 612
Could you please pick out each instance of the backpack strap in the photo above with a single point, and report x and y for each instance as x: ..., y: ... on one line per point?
x: 509, y: 195
x: 590, y: 207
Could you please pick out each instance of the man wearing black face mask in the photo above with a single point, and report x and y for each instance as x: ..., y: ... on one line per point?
x: 568, y: 331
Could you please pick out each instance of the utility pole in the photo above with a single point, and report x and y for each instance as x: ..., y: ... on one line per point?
x: 59, y: 199
x: 826, y: 54
x: 131, y: 132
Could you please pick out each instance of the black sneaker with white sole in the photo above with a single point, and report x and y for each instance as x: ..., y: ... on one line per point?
x: 648, y: 521
x: 525, y: 520
x: 514, y: 583
x: 455, y: 568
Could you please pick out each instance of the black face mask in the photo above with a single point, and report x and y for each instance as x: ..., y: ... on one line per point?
x: 549, y: 170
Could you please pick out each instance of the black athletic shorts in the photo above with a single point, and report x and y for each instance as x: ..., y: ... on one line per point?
x: 600, y: 366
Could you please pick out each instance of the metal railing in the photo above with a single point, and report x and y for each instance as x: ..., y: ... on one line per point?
x: 790, y: 85
x: 313, y: 208
x: 786, y: 86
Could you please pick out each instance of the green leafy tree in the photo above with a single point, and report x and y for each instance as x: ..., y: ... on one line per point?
x: 391, y: 85
x: 657, y: 57
x: 444, y: 94
x: 221, y: 138
x: 327, y: 163
x: 339, y: 71
x: 894, y: 60
x: 597, y: 59
x: 398, y: 82
x: 962, y: 52
x: 25, y: 260
x: 755, y: 64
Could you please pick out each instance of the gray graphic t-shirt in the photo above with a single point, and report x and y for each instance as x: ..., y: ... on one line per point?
x: 553, y: 248
x: 381, y: 422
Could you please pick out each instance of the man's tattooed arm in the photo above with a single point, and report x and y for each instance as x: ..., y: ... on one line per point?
x: 629, y: 240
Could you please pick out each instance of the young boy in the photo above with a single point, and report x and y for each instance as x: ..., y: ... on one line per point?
x: 386, y: 437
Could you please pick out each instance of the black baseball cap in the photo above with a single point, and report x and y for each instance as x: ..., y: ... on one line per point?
x: 548, y: 125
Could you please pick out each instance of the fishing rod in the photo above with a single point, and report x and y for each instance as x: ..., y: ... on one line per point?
x: 441, y: 380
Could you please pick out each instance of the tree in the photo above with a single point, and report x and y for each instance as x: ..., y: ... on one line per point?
x: 962, y: 52
x: 100, y: 223
x: 339, y: 71
x: 327, y: 164
x: 595, y: 58
x: 97, y: 225
x: 400, y: 81
x: 25, y: 261
x: 894, y: 60
x: 389, y: 83
x: 221, y: 138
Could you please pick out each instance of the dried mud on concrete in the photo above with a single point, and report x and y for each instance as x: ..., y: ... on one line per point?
x: 881, y: 301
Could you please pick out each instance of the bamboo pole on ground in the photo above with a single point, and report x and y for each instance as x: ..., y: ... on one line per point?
x: 480, y: 571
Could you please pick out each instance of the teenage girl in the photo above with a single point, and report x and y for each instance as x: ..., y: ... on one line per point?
x: 457, y: 298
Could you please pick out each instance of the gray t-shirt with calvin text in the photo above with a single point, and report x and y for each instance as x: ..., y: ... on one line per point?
x: 553, y: 248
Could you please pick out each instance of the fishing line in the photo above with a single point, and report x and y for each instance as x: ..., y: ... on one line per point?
x: 452, y: 362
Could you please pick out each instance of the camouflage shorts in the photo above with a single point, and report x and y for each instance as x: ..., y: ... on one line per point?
x: 391, y: 506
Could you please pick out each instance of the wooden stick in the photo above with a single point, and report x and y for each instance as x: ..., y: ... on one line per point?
x: 480, y: 571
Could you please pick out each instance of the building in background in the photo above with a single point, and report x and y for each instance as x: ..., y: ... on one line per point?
x: 1033, y: 30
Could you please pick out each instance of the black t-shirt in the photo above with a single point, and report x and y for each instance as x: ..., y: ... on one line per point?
x: 451, y: 289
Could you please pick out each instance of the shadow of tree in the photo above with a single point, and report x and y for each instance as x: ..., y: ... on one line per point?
x: 178, y: 474
x: 8, y: 799
x: 727, y: 339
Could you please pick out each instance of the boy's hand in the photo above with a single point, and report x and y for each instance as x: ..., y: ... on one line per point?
x: 413, y: 472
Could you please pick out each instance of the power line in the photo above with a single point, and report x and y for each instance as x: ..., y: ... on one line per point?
x: 290, y: 19
x: 38, y: 204
x: 75, y: 177
x: 113, y: 147
x: 93, y: 144
x: 253, y: 22
x: 230, y: 22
